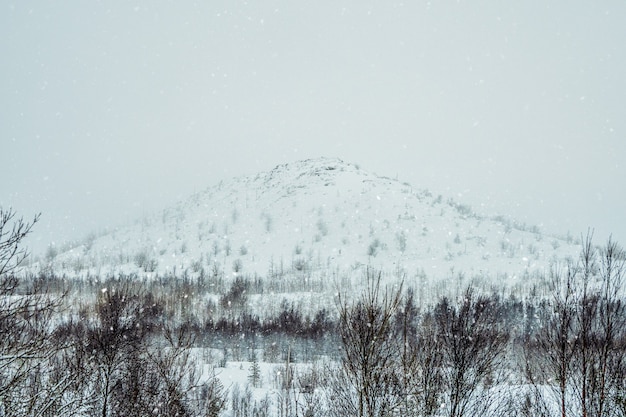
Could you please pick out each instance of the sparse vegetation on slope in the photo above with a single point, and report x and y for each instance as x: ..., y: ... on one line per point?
x: 314, y: 289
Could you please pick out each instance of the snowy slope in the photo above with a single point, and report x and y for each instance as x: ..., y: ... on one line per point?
x: 314, y: 215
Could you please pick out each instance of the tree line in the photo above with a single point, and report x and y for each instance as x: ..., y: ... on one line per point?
x: 564, y: 355
x: 127, y: 351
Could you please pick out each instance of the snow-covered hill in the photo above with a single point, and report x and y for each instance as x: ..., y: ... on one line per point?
x: 312, y: 215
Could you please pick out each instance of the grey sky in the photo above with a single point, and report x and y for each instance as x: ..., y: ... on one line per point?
x: 113, y: 109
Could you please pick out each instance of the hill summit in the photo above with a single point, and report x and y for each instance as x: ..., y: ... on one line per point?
x: 316, y: 215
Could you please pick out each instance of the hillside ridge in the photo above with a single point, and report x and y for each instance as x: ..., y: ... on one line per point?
x: 315, y: 216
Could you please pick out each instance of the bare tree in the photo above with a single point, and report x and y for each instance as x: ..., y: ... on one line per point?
x: 114, y: 339
x: 306, y: 399
x: 12, y: 233
x: 551, y: 351
x: 176, y: 372
x: 26, y: 385
x: 369, y: 348
x: 428, y: 380
x: 582, y: 345
x: 610, y: 372
x: 586, y: 312
x: 124, y: 364
x: 473, y: 347
x: 419, y: 359
x: 600, y: 355
x: 210, y: 398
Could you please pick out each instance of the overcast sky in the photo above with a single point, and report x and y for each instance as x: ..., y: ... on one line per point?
x: 110, y: 110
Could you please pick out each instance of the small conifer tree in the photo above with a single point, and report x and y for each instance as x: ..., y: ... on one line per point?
x: 255, y: 371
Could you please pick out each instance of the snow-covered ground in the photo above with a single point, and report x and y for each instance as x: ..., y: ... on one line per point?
x: 308, y: 230
x: 316, y: 219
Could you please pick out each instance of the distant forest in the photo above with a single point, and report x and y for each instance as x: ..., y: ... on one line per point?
x: 124, y: 346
